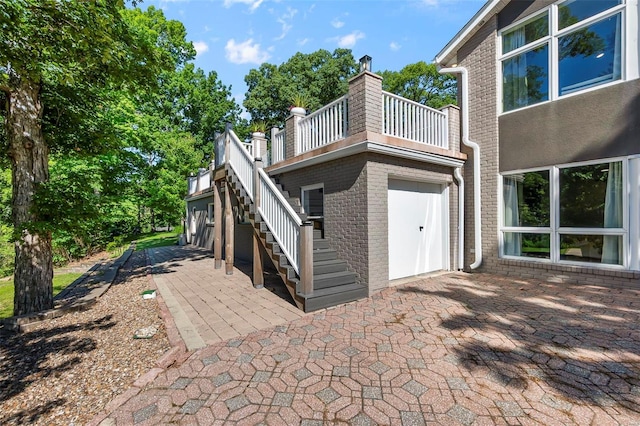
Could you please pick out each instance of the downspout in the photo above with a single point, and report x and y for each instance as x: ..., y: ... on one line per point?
x: 477, y: 218
x: 460, y: 179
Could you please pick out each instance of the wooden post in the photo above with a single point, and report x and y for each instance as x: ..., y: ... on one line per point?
x: 258, y: 271
x: 306, y: 258
x: 217, y: 225
x: 229, y: 230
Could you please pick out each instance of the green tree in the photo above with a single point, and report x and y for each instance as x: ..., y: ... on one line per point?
x: 60, y: 60
x: 319, y: 77
x: 422, y: 83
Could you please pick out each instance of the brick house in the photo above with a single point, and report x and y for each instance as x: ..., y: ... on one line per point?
x: 537, y: 176
x: 345, y: 201
x: 550, y: 97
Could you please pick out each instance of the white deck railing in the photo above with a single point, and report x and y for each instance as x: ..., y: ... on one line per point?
x: 241, y: 162
x: 204, y: 179
x: 410, y: 120
x: 199, y: 182
x: 278, y: 147
x: 280, y: 218
x: 249, y: 147
x: 192, y: 184
x: 322, y: 127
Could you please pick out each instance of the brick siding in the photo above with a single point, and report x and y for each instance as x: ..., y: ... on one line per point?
x: 355, y: 207
x: 479, y: 56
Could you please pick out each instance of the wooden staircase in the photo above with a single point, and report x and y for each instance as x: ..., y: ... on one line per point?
x: 333, y: 283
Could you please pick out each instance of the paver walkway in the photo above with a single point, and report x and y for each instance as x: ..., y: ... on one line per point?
x: 454, y: 349
x: 209, y: 306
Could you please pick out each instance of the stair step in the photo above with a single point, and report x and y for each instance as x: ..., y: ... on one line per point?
x: 329, y: 266
x: 333, y: 296
x: 317, y: 234
x: 320, y: 244
x: 324, y: 254
x: 333, y: 279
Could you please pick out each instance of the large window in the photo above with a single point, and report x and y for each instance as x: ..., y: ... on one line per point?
x: 570, y: 46
x: 566, y: 214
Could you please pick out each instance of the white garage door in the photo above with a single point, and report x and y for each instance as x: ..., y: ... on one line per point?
x: 417, y: 228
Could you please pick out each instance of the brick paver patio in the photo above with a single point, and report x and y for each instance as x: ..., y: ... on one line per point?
x: 456, y: 350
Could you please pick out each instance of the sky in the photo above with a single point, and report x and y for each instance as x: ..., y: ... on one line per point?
x: 234, y: 36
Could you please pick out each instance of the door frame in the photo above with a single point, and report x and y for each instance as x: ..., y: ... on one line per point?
x: 445, y: 214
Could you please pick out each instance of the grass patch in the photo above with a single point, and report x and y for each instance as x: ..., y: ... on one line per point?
x: 60, y: 282
x: 157, y: 239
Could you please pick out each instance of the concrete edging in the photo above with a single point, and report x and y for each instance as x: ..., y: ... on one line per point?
x: 26, y: 323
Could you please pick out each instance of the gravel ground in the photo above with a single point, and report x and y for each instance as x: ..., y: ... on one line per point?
x: 69, y: 368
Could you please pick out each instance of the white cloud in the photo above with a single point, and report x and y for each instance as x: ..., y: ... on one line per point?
x: 246, y: 52
x: 348, y: 41
x: 394, y: 46
x: 303, y: 41
x: 253, y: 4
x: 200, y: 47
x: 337, y: 23
x: 285, y: 21
x: 431, y: 3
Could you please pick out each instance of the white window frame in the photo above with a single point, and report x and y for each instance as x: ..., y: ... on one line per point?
x: 629, y: 43
x: 630, y: 241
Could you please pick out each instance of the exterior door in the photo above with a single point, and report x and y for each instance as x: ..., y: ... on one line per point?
x: 417, y: 228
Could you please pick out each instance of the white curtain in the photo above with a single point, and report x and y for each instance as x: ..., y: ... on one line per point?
x: 617, y: 57
x: 512, y: 240
x: 612, y: 244
x: 515, y: 89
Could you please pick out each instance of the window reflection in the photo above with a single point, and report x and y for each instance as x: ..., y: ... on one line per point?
x: 590, y: 56
x: 526, y: 79
x: 574, y: 11
x: 591, y: 196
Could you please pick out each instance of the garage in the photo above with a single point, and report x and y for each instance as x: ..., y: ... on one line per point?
x: 418, y: 228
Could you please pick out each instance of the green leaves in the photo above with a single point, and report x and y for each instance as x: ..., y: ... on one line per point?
x: 319, y: 77
x: 422, y: 83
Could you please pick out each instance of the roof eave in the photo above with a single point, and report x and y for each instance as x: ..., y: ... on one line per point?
x: 447, y: 56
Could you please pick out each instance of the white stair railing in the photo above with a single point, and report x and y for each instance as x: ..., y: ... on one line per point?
x: 322, y: 127
x: 241, y: 162
x: 275, y: 211
x: 410, y: 120
x: 280, y: 218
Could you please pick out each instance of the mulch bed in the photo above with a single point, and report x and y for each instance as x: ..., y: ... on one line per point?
x: 67, y: 369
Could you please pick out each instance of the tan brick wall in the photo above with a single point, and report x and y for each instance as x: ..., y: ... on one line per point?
x: 453, y: 115
x: 345, y: 196
x: 355, y: 207
x: 365, y: 103
x: 480, y: 58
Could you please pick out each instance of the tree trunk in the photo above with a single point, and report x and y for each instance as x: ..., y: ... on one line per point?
x: 30, y: 167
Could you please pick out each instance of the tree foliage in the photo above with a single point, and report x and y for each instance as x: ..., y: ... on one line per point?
x: 319, y: 77
x: 110, y: 95
x: 422, y: 83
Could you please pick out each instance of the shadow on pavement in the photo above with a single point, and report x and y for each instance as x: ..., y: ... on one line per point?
x: 582, y: 340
